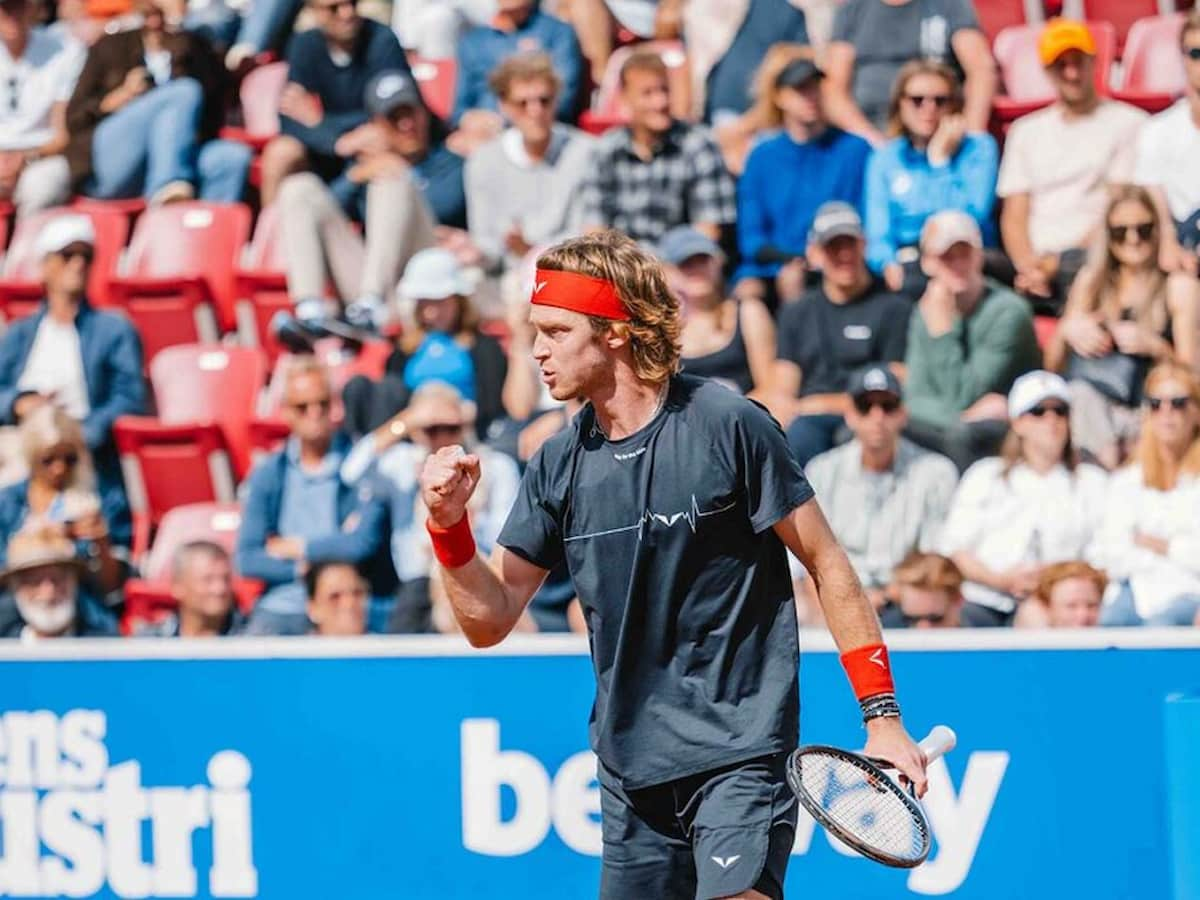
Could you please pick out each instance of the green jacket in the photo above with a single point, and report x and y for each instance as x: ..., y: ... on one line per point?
x: 981, y: 354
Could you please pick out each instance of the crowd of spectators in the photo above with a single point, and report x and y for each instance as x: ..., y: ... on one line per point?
x: 982, y: 346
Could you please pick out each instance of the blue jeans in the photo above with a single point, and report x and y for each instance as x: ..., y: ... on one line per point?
x: 1122, y: 613
x: 809, y: 436
x: 151, y: 141
x: 262, y: 27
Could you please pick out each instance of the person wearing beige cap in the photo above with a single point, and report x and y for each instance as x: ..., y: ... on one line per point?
x: 42, y: 597
x: 1057, y: 165
x: 84, y: 361
x: 967, y: 342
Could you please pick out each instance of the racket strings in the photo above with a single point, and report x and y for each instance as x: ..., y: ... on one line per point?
x: 874, y: 811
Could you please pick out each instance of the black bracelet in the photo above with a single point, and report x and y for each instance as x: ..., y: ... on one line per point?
x: 880, y: 706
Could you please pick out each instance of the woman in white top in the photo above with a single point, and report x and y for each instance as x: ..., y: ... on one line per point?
x: 1031, y: 506
x: 1149, y: 542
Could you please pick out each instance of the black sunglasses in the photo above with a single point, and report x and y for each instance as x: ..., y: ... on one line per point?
x: 1118, y: 233
x: 538, y: 100
x: 931, y: 618
x: 1057, y: 409
x: 864, y: 405
x: 337, y: 6
x: 86, y: 255
x: 442, y: 430
x: 1192, y: 52
x: 302, y: 408
x: 941, y: 101
x: 70, y: 458
x: 1176, y: 403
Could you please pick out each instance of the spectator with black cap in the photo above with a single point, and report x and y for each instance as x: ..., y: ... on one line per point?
x: 849, y: 320
x: 730, y: 340
x: 883, y: 495
x: 787, y: 178
x: 402, y: 185
x: 84, y: 360
x: 968, y: 340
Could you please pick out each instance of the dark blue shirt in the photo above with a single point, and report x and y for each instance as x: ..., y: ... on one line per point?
x: 767, y: 22
x: 482, y: 48
x: 784, y: 184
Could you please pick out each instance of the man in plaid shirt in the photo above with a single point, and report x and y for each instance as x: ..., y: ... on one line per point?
x: 656, y: 172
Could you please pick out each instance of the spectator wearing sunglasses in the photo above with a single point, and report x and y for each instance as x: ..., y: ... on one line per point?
x: 38, y: 70
x: 390, y: 459
x: 1167, y: 148
x: 928, y: 590
x: 932, y: 163
x: 1068, y: 595
x: 298, y: 512
x: 968, y: 340
x: 338, y: 599
x: 59, y: 498
x: 1149, y: 542
x: 1125, y: 313
x: 884, y: 496
x: 1032, y: 505
x: 848, y: 321
x: 83, y: 361
x: 1058, y: 164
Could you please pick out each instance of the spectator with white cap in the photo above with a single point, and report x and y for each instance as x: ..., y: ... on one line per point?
x: 884, y: 496
x: 401, y: 184
x: 43, y: 599
x: 440, y: 341
x: 849, y: 320
x: 1032, y: 505
x: 84, y: 360
x: 968, y: 341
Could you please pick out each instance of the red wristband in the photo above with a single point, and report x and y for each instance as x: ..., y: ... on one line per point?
x: 453, y: 546
x: 869, y: 671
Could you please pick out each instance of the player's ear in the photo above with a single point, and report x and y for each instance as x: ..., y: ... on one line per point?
x: 617, y: 336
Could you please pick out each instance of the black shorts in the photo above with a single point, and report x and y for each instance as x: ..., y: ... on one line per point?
x: 706, y: 836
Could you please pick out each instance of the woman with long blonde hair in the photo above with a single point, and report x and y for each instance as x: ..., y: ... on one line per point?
x: 1123, y: 315
x: 1149, y: 542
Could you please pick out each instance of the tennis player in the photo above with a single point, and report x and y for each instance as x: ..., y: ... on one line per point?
x: 672, y: 500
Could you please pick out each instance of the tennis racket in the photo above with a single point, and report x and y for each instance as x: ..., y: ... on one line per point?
x: 856, y: 801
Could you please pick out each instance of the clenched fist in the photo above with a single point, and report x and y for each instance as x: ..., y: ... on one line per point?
x: 447, y: 483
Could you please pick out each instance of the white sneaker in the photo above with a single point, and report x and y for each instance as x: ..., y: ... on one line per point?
x: 173, y: 192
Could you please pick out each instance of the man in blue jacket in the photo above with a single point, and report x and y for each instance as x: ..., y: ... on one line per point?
x: 328, y: 70
x: 298, y: 512
x: 87, y: 361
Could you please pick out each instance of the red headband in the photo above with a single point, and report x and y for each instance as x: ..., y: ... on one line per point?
x: 579, y: 293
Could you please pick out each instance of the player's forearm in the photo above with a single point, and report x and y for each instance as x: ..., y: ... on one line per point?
x: 485, y: 610
x: 848, y: 612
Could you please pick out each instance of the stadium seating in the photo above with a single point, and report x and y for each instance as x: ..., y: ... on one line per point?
x: 211, y: 383
x: 436, y: 79
x: 177, y: 279
x: 166, y: 466
x: 1027, y: 87
x: 1152, y: 67
x: 259, y: 96
x: 21, y: 272
x: 1121, y: 14
x: 996, y: 15
x: 261, y: 285
x: 607, y: 112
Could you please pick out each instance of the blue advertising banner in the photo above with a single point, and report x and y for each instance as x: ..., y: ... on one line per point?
x: 417, y: 768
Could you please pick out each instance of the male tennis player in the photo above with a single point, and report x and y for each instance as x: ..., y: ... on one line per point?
x: 672, y: 500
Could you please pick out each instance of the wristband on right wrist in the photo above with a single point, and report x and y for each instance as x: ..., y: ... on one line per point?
x: 869, y: 671
x: 453, y: 546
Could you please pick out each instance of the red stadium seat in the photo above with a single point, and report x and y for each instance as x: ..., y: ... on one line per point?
x: 6, y: 214
x: 211, y: 383
x: 21, y: 273
x: 267, y: 436
x: 216, y: 522
x: 262, y: 285
x: 607, y: 110
x: 1044, y: 327
x: 996, y: 15
x: 259, y: 97
x: 436, y: 79
x: 1027, y: 87
x: 166, y: 466
x: 177, y: 280
x: 1152, y: 67
x: 1121, y: 14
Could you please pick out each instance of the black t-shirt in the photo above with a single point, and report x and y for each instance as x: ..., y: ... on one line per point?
x: 830, y: 341
x: 685, y: 587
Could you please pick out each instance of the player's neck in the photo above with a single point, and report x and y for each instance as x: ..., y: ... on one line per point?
x: 627, y: 405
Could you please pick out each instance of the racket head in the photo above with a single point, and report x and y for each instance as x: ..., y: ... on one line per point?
x: 855, y: 800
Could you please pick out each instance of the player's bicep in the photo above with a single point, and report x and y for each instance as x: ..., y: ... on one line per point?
x: 806, y: 533
x: 519, y: 577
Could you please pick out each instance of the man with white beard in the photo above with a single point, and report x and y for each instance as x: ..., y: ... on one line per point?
x: 43, y: 595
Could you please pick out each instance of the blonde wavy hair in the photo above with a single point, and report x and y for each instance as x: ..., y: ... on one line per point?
x: 1155, y: 472
x: 654, y: 327
x: 909, y: 71
x: 49, y: 426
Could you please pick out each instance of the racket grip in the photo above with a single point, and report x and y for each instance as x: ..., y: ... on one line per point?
x: 938, y: 742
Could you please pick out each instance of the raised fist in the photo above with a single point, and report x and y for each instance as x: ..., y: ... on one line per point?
x: 447, y: 482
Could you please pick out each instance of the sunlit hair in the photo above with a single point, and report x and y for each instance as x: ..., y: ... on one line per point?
x: 930, y: 572
x: 302, y: 366
x: 530, y: 66
x: 197, y: 549
x: 1051, y: 575
x: 909, y: 71
x: 653, y: 329
x: 643, y: 61
x: 1156, y: 473
x: 765, y: 113
x: 1190, y: 24
x: 49, y: 426
x: 1096, y: 288
x: 438, y: 394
